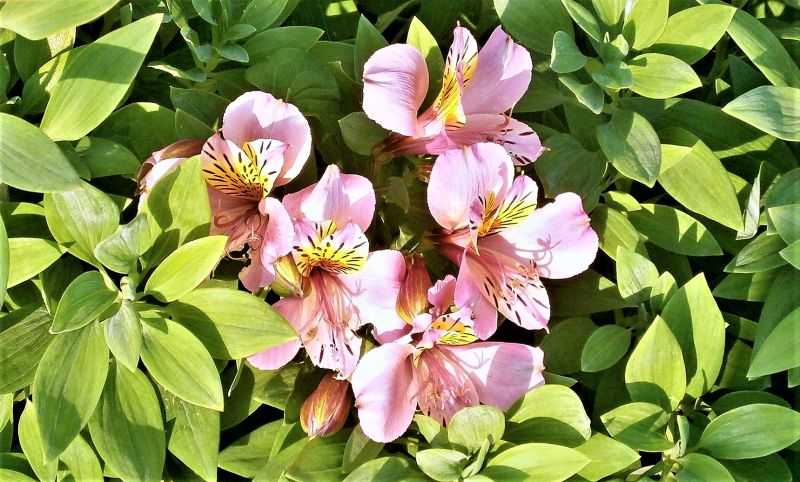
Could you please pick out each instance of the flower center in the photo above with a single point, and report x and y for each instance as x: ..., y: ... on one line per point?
x: 338, y: 251
x: 247, y: 172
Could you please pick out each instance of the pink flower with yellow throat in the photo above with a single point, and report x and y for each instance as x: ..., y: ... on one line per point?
x: 341, y: 286
x: 478, y: 89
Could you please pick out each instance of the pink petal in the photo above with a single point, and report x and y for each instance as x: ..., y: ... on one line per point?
x: 557, y: 237
x: 270, y: 242
x: 442, y: 294
x: 395, y: 84
x: 384, y: 389
x: 500, y: 372
x: 374, y: 291
x: 278, y: 356
x: 444, y: 387
x: 501, y: 77
x: 258, y: 115
x: 474, y: 287
x: 519, y: 140
x: 325, y: 246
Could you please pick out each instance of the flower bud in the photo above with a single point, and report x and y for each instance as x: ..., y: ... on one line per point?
x: 325, y: 411
x: 413, y: 297
x: 288, y: 280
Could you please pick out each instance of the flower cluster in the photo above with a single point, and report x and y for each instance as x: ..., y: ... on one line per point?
x: 311, y: 245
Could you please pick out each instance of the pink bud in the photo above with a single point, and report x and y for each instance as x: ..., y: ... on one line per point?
x: 413, y: 297
x: 325, y: 411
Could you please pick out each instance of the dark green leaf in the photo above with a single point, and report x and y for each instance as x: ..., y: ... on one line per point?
x: 23, y: 344
x: 604, y: 348
x: 778, y: 351
x: 565, y: 56
x: 550, y: 16
x: 368, y: 41
x: 702, y: 468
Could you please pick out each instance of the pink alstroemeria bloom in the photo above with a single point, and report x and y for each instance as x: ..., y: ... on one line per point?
x: 263, y: 144
x: 478, y: 89
x: 503, y: 244
x: 437, y: 368
x: 345, y: 285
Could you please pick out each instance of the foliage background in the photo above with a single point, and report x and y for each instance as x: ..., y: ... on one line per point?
x: 675, y: 356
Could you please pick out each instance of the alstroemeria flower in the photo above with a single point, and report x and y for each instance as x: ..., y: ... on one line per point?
x: 345, y: 286
x: 503, y: 244
x: 477, y: 90
x: 437, y: 368
x: 263, y: 144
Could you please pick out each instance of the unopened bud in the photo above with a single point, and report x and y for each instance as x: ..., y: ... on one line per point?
x: 325, y: 411
x: 288, y: 280
x: 413, y: 297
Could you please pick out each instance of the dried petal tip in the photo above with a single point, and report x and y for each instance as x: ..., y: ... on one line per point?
x: 413, y: 297
x: 325, y: 411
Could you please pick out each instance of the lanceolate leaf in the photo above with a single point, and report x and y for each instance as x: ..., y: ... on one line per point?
x: 184, y: 269
x: 751, y: 431
x: 23, y: 344
x: 764, y: 50
x: 37, y: 20
x: 655, y: 372
x: 83, y: 301
x: 774, y: 110
x: 631, y: 145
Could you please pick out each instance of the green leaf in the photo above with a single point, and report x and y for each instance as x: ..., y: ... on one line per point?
x: 262, y: 14
x: 764, y: 50
x: 632, y: 146
x: 121, y: 251
x: 420, y: 38
x: 607, y: 457
x: 754, y: 469
x: 300, y: 37
x: 230, y: 323
x: 645, y: 22
x: 550, y: 16
x: 615, y: 231
x: 106, y: 158
x: 568, y: 167
x: 535, y: 462
x: 180, y: 362
x: 551, y: 413
x: 23, y: 344
x: 30, y: 161
x: 661, y: 76
x: 591, y: 95
x: 124, y: 335
x: 655, y: 371
x: 609, y: 11
x: 37, y: 20
x: 441, y: 464
x: 751, y: 431
x: 761, y: 254
x: 80, y: 219
x: 195, y: 439
x: 99, y: 76
x: 778, y: 351
x: 368, y: 41
x: 205, y: 106
x: 80, y: 461
x: 584, y: 294
x: 233, y: 51
x: 359, y: 450
x: 584, y: 19
x: 395, y: 467
x: 142, y: 127
x: 786, y: 220
x: 186, y: 268
x: 702, y: 468
x: 695, y: 177
x: 565, y: 56
x: 563, y: 345
x: 791, y: 254
x: 360, y: 133
x: 692, y: 32
x: 251, y: 452
x: 604, y: 348
x: 636, y: 275
x: 5, y: 257
x: 774, y: 110
x: 127, y: 428
x: 28, y: 257
x: 470, y: 426
x: 674, y: 230
x: 614, y: 74
x: 320, y: 459
x: 32, y: 445
x: 84, y: 300
x: 745, y: 286
x: 639, y: 425
x: 68, y: 384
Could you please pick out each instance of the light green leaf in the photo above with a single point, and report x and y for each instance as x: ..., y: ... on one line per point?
x: 23, y: 344
x: 80, y: 461
x: 5, y: 257
x: 609, y: 11
x: 661, y: 76
x: 470, y: 426
x: 261, y: 14
x: 230, y: 323
x: 614, y: 74
x: 692, y: 32
x: 550, y: 16
x: 99, y: 76
x: 177, y: 360
x: 124, y: 335
x: 791, y: 254
x: 30, y: 161
x: 185, y: 268
x: 632, y: 146
x: 535, y: 462
x: 568, y: 167
x: 604, y: 348
x: 745, y: 286
x: 195, y: 439
x: 761, y: 254
x: 751, y: 431
x: 441, y: 464
x: 584, y: 19
x: 764, y: 50
x: 674, y: 230
x: 250, y: 453
x: 615, y: 231
x: 786, y: 220
x: 37, y: 20
x: 395, y: 467
x: 120, y: 251
x: 68, y: 384
x: 701, y: 468
x: 551, y: 413
x: 368, y: 41
x: 774, y: 110
x: 778, y: 351
x: 565, y: 56
x: 591, y: 95
x: 636, y: 275
x: 28, y: 257
x: 320, y: 460
x: 639, y: 425
x: 142, y: 127
x: 655, y: 371
x: 645, y: 22
x: 694, y: 318
x: 80, y: 219
x: 32, y: 445
x: 607, y: 457
x: 83, y: 301
x: 127, y: 427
